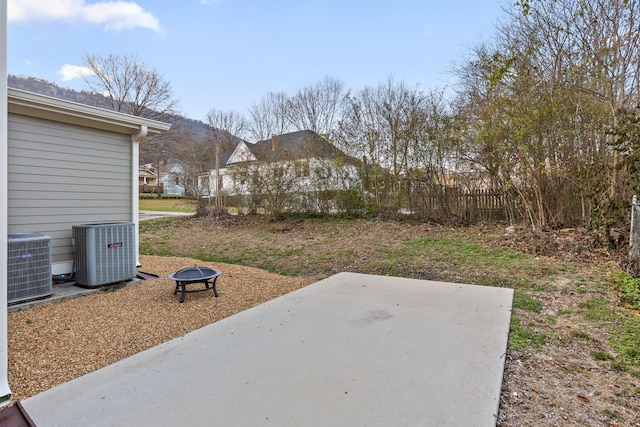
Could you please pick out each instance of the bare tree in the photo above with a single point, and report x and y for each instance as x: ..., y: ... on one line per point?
x: 196, y: 159
x: 133, y: 88
x: 130, y: 86
x: 317, y: 107
x: 226, y: 128
x: 268, y: 116
x: 387, y: 126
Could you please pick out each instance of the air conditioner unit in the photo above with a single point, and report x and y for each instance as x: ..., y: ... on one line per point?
x: 28, y: 267
x: 104, y: 253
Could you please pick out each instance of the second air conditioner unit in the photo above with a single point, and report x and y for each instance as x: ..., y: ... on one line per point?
x: 104, y: 253
x: 28, y: 267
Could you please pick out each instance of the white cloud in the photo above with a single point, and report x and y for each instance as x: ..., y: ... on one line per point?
x: 114, y: 15
x: 71, y: 72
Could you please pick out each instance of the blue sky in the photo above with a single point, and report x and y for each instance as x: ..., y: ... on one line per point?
x: 227, y: 54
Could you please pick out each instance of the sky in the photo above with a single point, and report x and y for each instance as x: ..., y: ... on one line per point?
x: 227, y: 54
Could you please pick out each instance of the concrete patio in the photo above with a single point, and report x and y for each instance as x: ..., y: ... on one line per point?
x: 350, y: 350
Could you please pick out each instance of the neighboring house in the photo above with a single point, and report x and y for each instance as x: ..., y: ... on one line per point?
x: 207, y: 186
x: 69, y: 164
x: 306, y: 161
x: 147, y: 175
x: 148, y: 180
x: 170, y: 181
x: 172, y: 176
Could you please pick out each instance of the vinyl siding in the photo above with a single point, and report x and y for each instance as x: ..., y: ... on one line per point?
x: 61, y: 175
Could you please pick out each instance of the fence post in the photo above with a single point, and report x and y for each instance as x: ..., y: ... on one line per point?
x: 634, y: 238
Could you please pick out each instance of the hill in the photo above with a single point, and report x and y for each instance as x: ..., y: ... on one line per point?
x: 183, y: 129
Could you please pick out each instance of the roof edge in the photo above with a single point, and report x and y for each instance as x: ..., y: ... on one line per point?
x: 47, y: 107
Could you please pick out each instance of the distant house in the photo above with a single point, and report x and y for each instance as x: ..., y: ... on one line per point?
x: 70, y: 164
x: 220, y: 179
x: 300, y: 162
x: 169, y: 180
x: 148, y: 181
x: 172, y: 176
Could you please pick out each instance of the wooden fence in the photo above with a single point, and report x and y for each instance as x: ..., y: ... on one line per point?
x: 462, y: 205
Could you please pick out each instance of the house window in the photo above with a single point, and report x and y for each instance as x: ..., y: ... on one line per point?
x: 323, y: 172
x: 302, y: 168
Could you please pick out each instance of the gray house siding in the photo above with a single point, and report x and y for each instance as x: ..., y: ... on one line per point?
x: 61, y: 175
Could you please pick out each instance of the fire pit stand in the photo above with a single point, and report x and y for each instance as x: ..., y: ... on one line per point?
x: 192, y: 275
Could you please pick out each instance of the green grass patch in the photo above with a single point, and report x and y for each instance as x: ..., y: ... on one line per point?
x: 601, y: 355
x: 623, y: 326
x: 598, y: 310
x: 581, y: 335
x: 626, y: 340
x: 524, y: 301
x: 471, y: 262
x: 167, y: 205
x: 614, y: 415
x: 460, y: 253
x: 522, y: 338
x: 628, y: 289
x: 161, y: 227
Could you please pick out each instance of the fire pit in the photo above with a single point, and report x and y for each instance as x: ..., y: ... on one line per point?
x: 193, y: 275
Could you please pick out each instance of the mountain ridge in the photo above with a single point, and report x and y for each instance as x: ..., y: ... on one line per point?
x: 45, y: 87
x: 183, y: 130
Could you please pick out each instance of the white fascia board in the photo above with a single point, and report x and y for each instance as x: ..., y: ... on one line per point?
x: 59, y: 110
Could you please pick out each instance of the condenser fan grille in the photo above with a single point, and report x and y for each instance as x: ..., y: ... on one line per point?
x: 104, y: 253
x: 28, y: 267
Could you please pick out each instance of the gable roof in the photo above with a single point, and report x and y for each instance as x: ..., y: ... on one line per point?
x: 241, y: 154
x: 304, y: 144
x: 145, y: 170
x: 224, y: 159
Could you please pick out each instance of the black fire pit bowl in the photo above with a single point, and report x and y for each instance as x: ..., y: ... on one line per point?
x: 191, y: 275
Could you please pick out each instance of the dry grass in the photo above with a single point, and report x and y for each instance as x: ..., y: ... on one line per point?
x: 561, y: 373
x: 53, y: 343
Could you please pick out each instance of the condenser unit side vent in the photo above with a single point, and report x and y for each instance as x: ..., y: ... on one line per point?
x: 104, y: 253
x: 28, y: 267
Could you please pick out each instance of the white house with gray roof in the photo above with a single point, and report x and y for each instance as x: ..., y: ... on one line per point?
x: 309, y: 162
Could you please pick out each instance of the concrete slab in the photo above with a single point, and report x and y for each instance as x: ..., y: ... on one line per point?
x: 69, y: 290
x: 147, y: 215
x: 350, y: 350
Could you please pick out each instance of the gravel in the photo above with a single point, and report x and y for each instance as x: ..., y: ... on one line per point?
x: 53, y: 343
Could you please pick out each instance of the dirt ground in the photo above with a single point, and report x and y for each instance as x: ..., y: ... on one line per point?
x: 562, y: 383
x: 559, y: 383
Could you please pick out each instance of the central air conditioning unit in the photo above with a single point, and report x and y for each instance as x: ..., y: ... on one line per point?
x: 28, y: 267
x: 104, y: 253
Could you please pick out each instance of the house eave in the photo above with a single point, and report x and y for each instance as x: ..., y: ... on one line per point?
x: 49, y: 108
